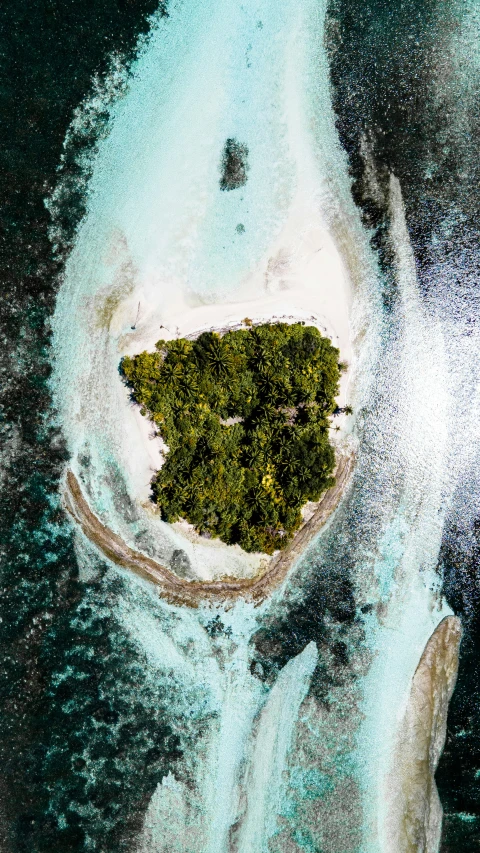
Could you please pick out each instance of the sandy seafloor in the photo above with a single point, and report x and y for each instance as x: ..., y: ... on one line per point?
x: 293, y: 756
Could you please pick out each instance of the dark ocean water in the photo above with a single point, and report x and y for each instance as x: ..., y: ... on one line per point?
x: 85, y: 732
x: 71, y: 778
x: 406, y: 90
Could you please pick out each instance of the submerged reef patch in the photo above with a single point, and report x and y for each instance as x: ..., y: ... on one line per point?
x: 234, y: 165
x: 246, y: 418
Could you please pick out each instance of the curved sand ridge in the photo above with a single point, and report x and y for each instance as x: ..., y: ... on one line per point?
x: 415, y: 819
x: 180, y: 591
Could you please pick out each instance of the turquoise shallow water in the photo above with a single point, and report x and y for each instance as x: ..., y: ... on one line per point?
x: 157, y: 728
x: 159, y: 233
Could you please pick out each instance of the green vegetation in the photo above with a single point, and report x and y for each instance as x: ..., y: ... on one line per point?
x: 245, y: 418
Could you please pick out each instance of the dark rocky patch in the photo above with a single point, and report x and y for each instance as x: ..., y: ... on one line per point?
x: 234, y: 165
x: 180, y: 564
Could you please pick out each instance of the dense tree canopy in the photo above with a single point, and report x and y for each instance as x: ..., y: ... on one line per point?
x: 245, y: 417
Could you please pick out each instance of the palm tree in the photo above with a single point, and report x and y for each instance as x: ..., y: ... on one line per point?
x: 256, y: 500
x: 171, y: 371
x: 220, y: 359
x: 188, y: 385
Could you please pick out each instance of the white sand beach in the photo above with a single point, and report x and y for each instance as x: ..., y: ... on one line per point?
x: 302, y: 278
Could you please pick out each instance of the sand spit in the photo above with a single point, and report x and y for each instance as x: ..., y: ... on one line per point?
x: 163, y: 253
x: 180, y: 591
x: 415, y: 813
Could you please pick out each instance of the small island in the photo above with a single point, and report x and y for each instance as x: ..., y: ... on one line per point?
x: 245, y: 418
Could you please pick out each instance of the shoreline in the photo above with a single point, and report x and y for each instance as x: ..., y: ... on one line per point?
x: 177, y: 590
